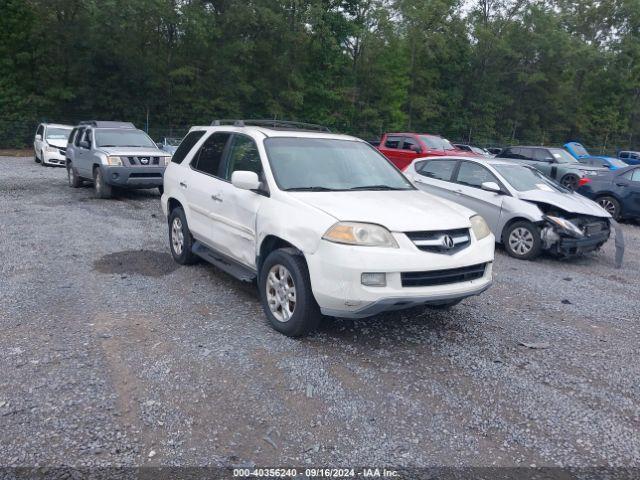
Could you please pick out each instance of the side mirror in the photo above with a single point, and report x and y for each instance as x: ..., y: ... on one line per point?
x: 85, y: 144
x: 38, y: 137
x: 491, y: 187
x: 549, y: 160
x: 245, y: 180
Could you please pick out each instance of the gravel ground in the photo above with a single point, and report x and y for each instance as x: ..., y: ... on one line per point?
x: 113, y: 355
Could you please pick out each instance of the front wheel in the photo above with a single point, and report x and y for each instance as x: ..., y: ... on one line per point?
x: 286, y: 296
x: 101, y: 187
x: 611, y: 205
x: 522, y: 240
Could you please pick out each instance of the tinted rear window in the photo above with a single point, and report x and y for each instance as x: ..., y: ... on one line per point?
x: 187, y: 144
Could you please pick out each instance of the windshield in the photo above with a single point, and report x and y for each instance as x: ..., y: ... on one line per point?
x: 435, y: 142
x: 562, y: 156
x: 524, y: 178
x: 123, y: 138
x: 58, y: 133
x: 579, y: 149
x: 318, y: 164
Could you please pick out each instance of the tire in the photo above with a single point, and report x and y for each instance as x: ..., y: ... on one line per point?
x: 611, y: 205
x: 284, y: 276
x: 445, y: 305
x: 570, y: 181
x: 72, y: 176
x: 180, y: 239
x: 100, y: 186
x: 521, y: 240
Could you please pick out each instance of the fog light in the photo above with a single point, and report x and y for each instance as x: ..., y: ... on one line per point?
x: 374, y: 279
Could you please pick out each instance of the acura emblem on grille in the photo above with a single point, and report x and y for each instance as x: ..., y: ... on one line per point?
x: 447, y: 242
x: 144, y: 160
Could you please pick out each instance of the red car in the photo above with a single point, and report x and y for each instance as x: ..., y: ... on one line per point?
x: 403, y: 148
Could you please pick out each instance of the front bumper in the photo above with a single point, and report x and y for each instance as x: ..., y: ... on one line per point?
x: 54, y: 158
x: 568, y: 246
x: 335, y: 271
x: 133, y: 177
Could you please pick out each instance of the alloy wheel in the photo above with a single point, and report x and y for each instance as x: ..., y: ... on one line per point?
x: 281, y: 293
x: 521, y: 241
x: 608, y: 205
x: 177, y: 237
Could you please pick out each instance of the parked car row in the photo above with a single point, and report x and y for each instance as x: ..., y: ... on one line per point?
x: 324, y: 223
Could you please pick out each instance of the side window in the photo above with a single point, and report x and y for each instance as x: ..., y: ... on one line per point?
x: 541, y: 154
x: 186, y: 145
x: 409, y: 143
x: 635, y: 177
x: 72, y: 135
x: 243, y: 155
x: 634, y: 156
x: 438, y: 169
x: 474, y: 175
x: 209, y: 158
x: 393, y: 142
x: 624, y: 155
x: 78, y: 137
x: 86, y: 136
x: 40, y: 130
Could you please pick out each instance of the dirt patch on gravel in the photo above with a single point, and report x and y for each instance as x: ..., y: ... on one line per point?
x: 136, y: 262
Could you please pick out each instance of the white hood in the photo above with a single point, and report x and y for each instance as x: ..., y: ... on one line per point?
x: 58, y: 142
x: 570, y: 202
x: 399, y: 211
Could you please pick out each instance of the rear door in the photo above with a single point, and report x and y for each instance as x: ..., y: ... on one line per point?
x: 201, y: 185
x: 391, y: 149
x: 436, y: 177
x: 83, y: 156
x: 469, y: 179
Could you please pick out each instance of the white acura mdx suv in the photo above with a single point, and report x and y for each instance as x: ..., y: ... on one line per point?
x: 324, y: 223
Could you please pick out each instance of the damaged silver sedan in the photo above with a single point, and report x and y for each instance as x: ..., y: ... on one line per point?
x: 527, y: 212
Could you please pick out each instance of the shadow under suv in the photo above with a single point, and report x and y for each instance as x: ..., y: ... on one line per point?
x: 114, y: 154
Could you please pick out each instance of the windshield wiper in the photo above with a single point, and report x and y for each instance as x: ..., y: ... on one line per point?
x: 376, y: 187
x: 309, y: 189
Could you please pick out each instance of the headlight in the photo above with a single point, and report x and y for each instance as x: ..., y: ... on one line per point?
x: 114, y: 161
x: 167, y: 161
x: 51, y: 149
x: 363, y: 234
x: 479, y: 227
x: 565, y: 225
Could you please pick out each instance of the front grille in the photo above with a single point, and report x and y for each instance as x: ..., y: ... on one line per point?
x: 443, y: 277
x: 437, y: 241
x: 143, y: 161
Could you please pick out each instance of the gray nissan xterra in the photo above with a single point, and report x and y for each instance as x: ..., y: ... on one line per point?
x: 114, y: 154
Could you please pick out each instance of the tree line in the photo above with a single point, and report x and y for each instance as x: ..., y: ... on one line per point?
x: 484, y: 71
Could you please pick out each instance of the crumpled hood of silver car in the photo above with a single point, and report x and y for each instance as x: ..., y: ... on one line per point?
x: 133, y: 152
x: 570, y: 202
x: 399, y: 211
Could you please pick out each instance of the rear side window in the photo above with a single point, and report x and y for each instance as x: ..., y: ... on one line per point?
x: 187, y: 144
x: 635, y: 176
x: 72, y: 135
x: 393, y: 142
x: 78, y: 136
x: 541, y: 155
x: 408, y: 143
x: 209, y: 158
x: 438, y: 169
x: 243, y: 155
x: 40, y: 130
x: 624, y: 155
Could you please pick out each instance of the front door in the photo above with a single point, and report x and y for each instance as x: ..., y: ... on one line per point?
x: 237, y: 210
x: 469, y: 179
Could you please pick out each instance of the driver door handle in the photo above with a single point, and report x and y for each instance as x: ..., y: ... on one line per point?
x: 183, y: 185
x: 216, y: 198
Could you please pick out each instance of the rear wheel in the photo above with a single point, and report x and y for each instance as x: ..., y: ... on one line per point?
x: 611, y: 205
x: 180, y: 239
x: 101, y: 187
x: 522, y: 240
x: 570, y: 181
x: 72, y: 176
x: 286, y: 296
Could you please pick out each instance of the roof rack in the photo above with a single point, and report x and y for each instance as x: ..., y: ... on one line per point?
x: 105, y: 124
x: 275, y: 124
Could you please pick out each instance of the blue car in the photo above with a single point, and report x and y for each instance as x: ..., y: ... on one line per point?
x: 582, y: 155
x: 629, y: 156
x: 617, y: 192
